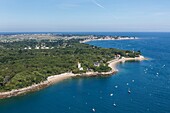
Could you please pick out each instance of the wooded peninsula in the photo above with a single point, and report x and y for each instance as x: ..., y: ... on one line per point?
x: 31, y: 61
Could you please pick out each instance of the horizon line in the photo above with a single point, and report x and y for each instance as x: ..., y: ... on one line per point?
x: 82, y: 31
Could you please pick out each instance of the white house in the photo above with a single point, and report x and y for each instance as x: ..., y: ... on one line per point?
x: 79, y: 66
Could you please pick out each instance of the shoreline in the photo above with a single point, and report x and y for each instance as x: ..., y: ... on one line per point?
x: 58, y: 78
x: 106, y: 39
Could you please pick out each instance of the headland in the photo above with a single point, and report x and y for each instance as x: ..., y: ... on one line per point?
x: 58, y: 78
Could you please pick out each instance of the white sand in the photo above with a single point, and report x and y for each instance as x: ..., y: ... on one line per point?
x: 57, y: 78
x: 113, y: 63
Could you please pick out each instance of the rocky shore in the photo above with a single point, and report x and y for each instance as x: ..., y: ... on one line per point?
x: 58, y: 78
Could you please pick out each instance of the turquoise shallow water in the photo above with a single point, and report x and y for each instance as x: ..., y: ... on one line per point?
x: 150, y: 91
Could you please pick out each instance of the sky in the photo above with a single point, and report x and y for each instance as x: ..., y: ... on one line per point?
x: 84, y: 15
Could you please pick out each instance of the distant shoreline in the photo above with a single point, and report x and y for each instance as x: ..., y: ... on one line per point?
x: 103, y: 39
x: 58, y: 78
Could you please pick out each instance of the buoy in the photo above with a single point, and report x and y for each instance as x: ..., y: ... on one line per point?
x: 111, y: 94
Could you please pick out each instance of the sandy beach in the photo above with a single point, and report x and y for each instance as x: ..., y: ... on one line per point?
x: 58, y: 78
x: 50, y: 80
x: 112, y: 64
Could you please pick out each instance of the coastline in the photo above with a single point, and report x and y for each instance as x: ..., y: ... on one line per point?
x: 58, y: 78
x: 100, y: 39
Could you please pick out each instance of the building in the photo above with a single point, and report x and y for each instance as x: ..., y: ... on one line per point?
x: 96, y: 64
x: 79, y: 66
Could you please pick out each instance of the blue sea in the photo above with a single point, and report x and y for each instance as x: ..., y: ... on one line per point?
x: 148, y: 81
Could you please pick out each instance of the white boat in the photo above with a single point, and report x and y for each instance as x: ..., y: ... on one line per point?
x: 93, y: 110
x: 129, y: 91
x: 114, y: 104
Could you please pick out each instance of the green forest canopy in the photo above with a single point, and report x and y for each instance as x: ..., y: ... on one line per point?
x: 20, y: 67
